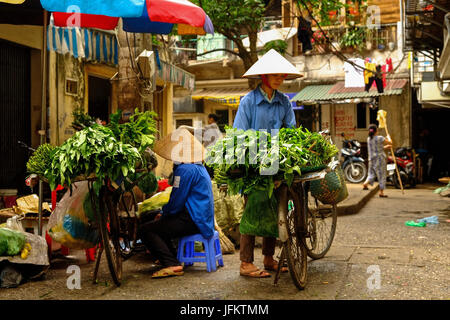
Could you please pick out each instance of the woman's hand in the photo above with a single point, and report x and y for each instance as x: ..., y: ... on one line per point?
x: 388, y: 138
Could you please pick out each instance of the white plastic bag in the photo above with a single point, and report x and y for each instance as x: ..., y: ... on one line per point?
x: 14, y: 223
x: 70, y: 224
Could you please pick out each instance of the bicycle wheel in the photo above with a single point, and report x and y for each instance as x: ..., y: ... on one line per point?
x: 109, y: 229
x: 294, y: 247
x: 126, y: 208
x: 321, y: 224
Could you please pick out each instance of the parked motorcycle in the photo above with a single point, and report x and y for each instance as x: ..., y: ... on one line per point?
x: 405, y: 164
x: 354, y: 167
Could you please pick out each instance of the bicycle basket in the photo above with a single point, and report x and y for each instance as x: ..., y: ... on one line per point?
x: 332, y: 189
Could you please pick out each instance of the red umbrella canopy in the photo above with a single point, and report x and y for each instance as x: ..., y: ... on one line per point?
x: 142, y: 16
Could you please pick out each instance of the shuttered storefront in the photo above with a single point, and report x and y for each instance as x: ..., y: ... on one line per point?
x: 15, y: 114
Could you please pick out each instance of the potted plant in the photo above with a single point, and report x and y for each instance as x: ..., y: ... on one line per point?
x: 354, y: 38
x: 369, y: 39
x: 319, y: 41
x: 381, y: 44
x: 391, y: 45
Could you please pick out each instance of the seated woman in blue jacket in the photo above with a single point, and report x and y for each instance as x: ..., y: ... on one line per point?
x: 190, y: 209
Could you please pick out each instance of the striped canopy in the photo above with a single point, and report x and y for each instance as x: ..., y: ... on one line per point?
x: 92, y: 45
x: 140, y: 16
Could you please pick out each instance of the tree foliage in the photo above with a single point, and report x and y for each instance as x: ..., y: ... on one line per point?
x: 236, y: 19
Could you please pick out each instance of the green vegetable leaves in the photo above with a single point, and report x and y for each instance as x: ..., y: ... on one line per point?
x: 41, y: 159
x: 93, y: 150
x: 112, y: 151
x: 248, y: 160
x: 138, y: 132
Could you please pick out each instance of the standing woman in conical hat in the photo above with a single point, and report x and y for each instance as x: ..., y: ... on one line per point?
x: 265, y: 108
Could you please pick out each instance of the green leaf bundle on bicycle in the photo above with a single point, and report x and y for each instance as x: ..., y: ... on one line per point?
x: 113, y: 151
x: 252, y: 160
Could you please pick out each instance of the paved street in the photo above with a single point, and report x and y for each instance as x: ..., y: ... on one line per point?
x: 413, y: 263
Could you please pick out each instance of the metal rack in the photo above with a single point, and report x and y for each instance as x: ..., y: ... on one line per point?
x: 424, y: 22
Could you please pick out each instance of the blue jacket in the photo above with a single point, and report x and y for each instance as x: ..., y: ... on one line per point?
x: 192, y: 190
x: 255, y: 112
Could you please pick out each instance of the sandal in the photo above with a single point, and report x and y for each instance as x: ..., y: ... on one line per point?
x: 274, y: 267
x: 255, y: 273
x: 365, y: 188
x: 383, y: 196
x: 167, y: 272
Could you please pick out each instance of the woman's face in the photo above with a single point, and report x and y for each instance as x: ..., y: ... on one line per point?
x: 276, y: 80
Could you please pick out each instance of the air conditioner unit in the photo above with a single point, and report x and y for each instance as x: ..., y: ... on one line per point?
x: 147, y: 64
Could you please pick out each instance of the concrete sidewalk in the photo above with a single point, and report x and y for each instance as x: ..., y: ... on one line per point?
x: 357, y: 198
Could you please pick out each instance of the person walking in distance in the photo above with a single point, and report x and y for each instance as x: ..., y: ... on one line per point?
x: 377, y: 159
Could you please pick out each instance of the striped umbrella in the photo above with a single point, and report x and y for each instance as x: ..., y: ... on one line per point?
x: 140, y: 16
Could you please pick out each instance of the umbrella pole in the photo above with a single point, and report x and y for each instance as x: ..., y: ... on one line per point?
x: 43, y: 130
x: 395, y: 162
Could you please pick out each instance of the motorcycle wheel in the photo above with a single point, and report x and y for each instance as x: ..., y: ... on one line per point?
x: 412, y: 181
x: 404, y: 178
x: 358, y: 174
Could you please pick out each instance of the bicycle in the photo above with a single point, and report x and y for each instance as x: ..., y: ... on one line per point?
x: 115, y: 208
x: 303, y: 227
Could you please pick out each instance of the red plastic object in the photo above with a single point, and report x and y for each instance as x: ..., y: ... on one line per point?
x: 62, y: 19
x: 90, y: 254
x: 163, y: 184
x: 54, y: 195
x: 64, y: 251
x: 9, y: 201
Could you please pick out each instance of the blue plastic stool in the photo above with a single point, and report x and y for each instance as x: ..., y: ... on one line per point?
x: 213, y: 253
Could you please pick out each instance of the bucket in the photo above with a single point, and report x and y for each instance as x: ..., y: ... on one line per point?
x: 9, y: 197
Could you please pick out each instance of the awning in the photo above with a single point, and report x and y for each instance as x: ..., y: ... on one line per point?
x: 226, y: 96
x: 338, y: 91
x: 313, y: 94
x: 169, y: 72
x: 89, y: 44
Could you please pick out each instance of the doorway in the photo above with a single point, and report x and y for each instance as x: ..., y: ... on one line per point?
x: 99, y: 98
x: 430, y: 132
x: 15, y: 120
x: 306, y: 117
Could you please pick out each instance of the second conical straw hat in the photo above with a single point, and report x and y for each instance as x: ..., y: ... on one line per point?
x: 272, y: 63
x: 180, y: 146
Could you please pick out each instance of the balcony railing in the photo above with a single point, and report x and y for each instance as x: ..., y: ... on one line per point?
x: 365, y: 39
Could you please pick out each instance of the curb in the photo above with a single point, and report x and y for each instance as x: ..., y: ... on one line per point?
x: 354, y: 206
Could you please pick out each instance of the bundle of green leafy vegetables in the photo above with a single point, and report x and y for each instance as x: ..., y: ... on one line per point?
x: 41, y: 159
x: 252, y: 160
x: 112, y: 151
x: 139, y: 131
x: 81, y: 119
x: 92, y: 151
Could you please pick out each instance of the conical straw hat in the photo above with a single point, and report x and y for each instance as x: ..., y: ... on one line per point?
x: 272, y: 63
x: 180, y: 146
